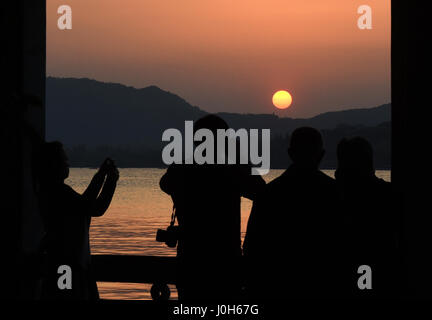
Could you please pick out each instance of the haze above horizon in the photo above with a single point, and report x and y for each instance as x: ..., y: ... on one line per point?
x: 230, y: 60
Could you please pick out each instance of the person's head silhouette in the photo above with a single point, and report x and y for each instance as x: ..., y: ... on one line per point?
x: 211, y: 122
x: 51, y: 163
x: 355, y: 159
x: 306, y: 147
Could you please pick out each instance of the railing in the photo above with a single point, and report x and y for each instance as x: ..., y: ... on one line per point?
x: 158, y: 271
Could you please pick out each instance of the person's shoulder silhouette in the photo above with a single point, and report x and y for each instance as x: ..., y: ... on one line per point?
x: 292, y: 225
x: 371, y: 210
x: 360, y: 188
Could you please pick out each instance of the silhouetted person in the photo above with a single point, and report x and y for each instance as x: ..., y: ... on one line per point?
x: 290, y: 246
x: 67, y: 217
x: 371, y: 214
x: 207, y: 201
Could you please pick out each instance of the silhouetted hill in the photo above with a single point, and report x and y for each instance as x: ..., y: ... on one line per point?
x: 328, y: 120
x: 352, y: 117
x: 89, y: 112
x: 93, y: 113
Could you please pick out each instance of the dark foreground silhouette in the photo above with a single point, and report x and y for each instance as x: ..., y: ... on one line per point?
x: 291, y: 244
x: 67, y: 216
x: 370, y: 210
x: 207, y: 201
x: 311, y: 237
x: 308, y: 235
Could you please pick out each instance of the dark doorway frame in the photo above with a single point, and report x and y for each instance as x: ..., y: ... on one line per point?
x: 23, y: 32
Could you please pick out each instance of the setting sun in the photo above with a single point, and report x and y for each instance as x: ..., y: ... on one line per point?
x: 282, y: 99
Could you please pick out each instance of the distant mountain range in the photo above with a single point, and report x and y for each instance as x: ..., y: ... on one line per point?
x: 89, y: 114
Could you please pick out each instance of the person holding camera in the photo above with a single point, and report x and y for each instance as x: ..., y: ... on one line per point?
x: 207, y: 207
x: 67, y: 215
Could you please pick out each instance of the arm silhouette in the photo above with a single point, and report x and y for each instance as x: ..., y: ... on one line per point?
x: 251, y: 185
x: 252, y: 242
x: 98, y: 204
x: 164, y: 184
x: 95, y: 186
x: 97, y: 181
x: 169, y: 181
x: 102, y: 202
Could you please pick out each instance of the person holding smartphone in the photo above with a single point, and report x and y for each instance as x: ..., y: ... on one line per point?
x: 67, y: 216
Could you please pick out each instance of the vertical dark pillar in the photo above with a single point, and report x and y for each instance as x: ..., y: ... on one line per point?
x: 410, y: 144
x: 22, y: 115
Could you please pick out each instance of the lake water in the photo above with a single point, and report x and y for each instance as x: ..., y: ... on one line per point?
x: 137, y: 210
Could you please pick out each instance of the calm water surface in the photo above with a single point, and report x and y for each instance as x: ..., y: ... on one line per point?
x: 137, y: 210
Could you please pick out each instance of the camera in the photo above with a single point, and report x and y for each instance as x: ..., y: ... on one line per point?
x: 169, y: 236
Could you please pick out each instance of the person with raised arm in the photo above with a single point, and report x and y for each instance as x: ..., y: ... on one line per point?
x: 67, y: 216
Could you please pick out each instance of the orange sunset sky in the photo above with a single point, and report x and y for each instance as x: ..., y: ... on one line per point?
x: 230, y: 55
